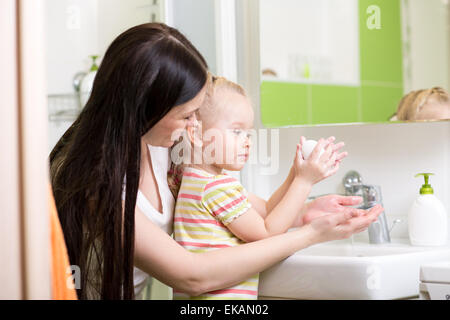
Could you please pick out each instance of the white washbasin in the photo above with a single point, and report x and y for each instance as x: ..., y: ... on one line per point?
x: 340, y: 270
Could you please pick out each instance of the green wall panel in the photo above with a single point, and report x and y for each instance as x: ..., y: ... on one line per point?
x: 334, y: 104
x: 379, y: 103
x: 381, y: 49
x: 284, y: 103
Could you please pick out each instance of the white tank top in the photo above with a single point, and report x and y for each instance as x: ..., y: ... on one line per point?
x: 161, y: 163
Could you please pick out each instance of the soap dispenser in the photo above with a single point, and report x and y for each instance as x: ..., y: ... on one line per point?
x: 427, y: 218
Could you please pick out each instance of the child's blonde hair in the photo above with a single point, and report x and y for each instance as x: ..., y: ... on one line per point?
x: 412, y: 103
x: 210, y: 109
x: 208, y: 113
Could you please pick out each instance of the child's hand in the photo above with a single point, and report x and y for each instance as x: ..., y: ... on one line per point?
x: 319, y: 165
x: 336, y: 148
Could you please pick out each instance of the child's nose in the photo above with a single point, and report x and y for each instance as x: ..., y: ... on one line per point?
x: 247, y: 142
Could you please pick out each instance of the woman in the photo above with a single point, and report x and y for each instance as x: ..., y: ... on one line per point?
x: 109, y: 178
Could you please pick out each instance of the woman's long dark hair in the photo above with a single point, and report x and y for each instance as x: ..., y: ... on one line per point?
x: 146, y: 71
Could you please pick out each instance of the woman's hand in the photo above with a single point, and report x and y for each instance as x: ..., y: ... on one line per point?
x: 330, y: 204
x: 337, y: 226
x: 318, y: 166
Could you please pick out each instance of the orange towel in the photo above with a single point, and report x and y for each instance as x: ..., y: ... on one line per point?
x: 60, y: 258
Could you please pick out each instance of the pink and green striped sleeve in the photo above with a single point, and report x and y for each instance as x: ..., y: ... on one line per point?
x: 225, y: 198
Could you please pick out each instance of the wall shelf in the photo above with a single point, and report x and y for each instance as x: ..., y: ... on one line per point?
x: 63, y: 107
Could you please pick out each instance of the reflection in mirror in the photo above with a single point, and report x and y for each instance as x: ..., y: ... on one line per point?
x: 78, y: 33
x: 423, y: 105
x: 352, y: 61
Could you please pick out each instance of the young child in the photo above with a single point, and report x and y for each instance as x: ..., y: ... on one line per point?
x: 213, y: 209
x: 422, y: 105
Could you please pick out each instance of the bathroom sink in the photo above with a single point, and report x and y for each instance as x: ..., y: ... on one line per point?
x: 342, y: 270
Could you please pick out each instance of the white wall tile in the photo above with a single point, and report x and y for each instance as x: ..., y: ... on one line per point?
x: 388, y: 155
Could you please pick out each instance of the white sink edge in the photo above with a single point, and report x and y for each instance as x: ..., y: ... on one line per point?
x: 357, y: 260
x: 392, y: 245
x: 382, y: 262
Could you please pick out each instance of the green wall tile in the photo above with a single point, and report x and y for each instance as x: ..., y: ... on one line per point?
x: 379, y: 103
x: 283, y: 103
x: 381, y: 49
x: 334, y: 104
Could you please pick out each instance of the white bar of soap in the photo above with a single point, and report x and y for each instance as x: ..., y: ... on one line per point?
x: 308, y: 148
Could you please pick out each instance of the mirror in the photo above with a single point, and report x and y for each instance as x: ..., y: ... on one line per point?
x: 352, y: 61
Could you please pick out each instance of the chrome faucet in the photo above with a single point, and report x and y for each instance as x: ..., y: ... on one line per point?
x: 378, y: 230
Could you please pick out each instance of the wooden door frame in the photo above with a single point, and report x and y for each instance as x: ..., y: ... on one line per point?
x: 24, y: 231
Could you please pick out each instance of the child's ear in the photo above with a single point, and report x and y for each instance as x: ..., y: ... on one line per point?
x: 194, y: 134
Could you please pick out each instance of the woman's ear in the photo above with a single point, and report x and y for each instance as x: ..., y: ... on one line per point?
x: 194, y: 134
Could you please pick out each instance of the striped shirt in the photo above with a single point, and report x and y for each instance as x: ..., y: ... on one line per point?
x: 206, y: 204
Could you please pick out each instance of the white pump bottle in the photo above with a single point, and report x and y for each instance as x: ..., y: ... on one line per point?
x: 427, y: 218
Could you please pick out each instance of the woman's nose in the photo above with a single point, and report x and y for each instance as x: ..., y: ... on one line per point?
x: 193, y: 122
